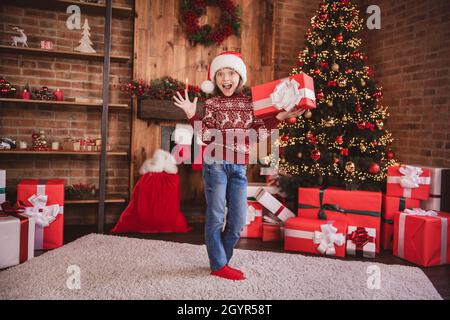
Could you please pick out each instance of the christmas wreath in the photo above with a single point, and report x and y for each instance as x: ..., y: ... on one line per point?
x: 229, y: 23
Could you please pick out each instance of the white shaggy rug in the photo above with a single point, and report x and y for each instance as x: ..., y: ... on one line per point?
x: 113, y: 267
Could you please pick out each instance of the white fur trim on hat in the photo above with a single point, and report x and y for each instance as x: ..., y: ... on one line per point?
x: 207, y: 86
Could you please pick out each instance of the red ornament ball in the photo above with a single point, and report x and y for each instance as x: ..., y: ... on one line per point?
x: 323, y: 17
x: 390, y: 155
x: 315, y: 154
x: 358, y: 108
x: 339, y: 37
x: 374, y: 168
x: 284, y: 137
x: 317, y: 71
x: 339, y: 140
x: 291, y: 120
x: 320, y: 95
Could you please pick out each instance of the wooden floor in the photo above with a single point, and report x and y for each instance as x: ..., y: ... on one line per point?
x: 439, y: 276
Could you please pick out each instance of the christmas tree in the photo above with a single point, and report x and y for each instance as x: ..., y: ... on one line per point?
x: 342, y: 142
x: 85, y: 42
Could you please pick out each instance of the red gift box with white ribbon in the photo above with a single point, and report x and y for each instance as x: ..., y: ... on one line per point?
x: 391, y: 205
x: 315, y: 236
x: 422, y: 237
x: 44, y: 201
x: 408, y: 182
x: 283, y: 95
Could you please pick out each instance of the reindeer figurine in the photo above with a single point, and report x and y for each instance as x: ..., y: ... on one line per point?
x: 22, y: 39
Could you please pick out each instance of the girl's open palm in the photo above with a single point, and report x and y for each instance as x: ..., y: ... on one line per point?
x: 185, y: 104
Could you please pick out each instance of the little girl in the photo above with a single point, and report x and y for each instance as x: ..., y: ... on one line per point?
x: 225, y: 181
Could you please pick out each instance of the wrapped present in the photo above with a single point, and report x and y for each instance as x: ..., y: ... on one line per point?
x: 253, y: 224
x: 439, y: 190
x: 272, y: 232
x: 275, y: 207
x: 16, y: 238
x: 2, y: 186
x: 390, y: 206
x: 361, y: 241
x: 283, y: 95
x: 44, y: 201
x: 315, y: 236
x: 408, y: 182
x: 357, y: 208
x: 422, y: 237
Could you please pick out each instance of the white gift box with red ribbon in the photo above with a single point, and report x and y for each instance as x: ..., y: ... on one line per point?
x: 273, y: 205
x: 361, y: 240
x: 408, y: 182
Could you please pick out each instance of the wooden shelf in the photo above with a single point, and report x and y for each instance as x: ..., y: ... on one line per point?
x: 65, y: 103
x: 61, y: 54
x: 109, y: 199
x: 76, y: 153
x: 96, y: 8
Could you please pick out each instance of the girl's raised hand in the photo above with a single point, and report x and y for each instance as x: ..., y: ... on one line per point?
x: 289, y: 114
x: 185, y: 104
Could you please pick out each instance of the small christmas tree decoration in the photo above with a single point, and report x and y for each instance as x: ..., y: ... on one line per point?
x: 85, y: 42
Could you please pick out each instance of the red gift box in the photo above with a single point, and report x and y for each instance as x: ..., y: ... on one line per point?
x: 357, y: 208
x: 282, y: 95
x: 315, y: 236
x: 254, y: 226
x: 391, y: 205
x: 408, y: 182
x: 44, y: 200
x: 422, y: 237
x: 271, y: 232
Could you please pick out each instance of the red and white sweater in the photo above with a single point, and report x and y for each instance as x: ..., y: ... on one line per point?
x: 231, y: 114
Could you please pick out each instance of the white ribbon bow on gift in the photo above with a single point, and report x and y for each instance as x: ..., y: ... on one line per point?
x: 411, y: 176
x: 327, y: 238
x: 287, y: 94
x: 251, y: 214
x: 43, y: 214
x: 421, y: 212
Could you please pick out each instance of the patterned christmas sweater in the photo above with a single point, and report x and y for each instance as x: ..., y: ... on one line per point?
x: 233, y: 117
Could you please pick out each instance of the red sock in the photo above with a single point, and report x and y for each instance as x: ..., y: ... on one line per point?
x: 236, y: 270
x: 228, y: 273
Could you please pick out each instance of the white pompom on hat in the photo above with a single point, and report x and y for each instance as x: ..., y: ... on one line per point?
x: 228, y: 59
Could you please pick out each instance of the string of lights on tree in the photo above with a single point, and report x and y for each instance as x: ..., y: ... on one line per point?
x: 343, y: 141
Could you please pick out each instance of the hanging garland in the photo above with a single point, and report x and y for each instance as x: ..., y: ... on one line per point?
x: 229, y: 22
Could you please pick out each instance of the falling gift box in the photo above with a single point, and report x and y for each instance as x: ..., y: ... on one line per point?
x: 361, y: 241
x: 357, y: 208
x: 408, y: 182
x: 44, y: 201
x: 315, y: 236
x: 2, y: 186
x: 283, y: 95
x: 390, y: 206
x: 16, y: 238
x: 254, y: 220
x: 253, y: 224
x: 439, y: 190
x: 422, y: 237
x: 276, y: 208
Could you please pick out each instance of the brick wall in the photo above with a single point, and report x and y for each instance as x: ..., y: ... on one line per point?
x: 77, y: 78
x: 410, y: 56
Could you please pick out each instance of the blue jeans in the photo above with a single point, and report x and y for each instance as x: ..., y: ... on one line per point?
x: 224, y: 182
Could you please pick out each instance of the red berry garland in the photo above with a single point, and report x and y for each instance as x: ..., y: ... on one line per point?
x: 229, y: 23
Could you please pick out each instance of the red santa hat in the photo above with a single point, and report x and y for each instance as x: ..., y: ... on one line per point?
x: 228, y: 59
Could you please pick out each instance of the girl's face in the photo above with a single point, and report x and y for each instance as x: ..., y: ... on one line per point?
x: 227, y: 80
